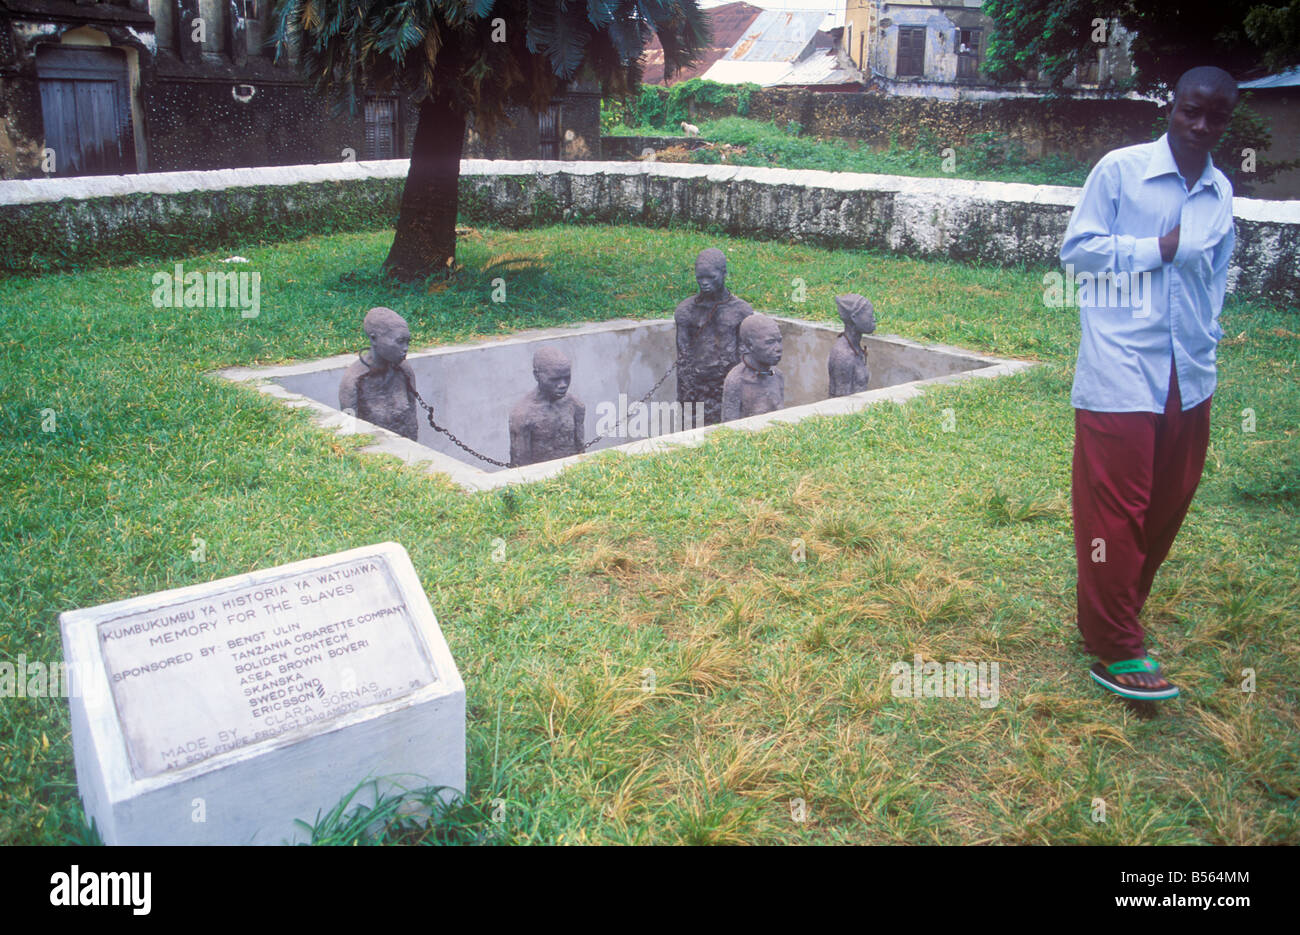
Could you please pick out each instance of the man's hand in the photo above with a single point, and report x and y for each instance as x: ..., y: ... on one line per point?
x: 1169, y: 245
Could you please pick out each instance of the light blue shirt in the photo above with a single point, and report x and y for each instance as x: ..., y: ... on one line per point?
x: 1133, y: 320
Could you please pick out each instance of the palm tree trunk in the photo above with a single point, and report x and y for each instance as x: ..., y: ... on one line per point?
x: 425, y: 241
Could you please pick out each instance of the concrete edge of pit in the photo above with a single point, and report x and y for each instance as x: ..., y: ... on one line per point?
x: 473, y: 479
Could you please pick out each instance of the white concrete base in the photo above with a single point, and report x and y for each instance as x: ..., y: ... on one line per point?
x: 175, y: 755
x: 472, y: 385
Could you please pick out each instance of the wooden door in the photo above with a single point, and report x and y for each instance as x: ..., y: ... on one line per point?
x: 381, y: 128
x: 548, y: 132
x: 86, y: 106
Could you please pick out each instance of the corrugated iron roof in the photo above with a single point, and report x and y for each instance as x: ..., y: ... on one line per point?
x: 777, y: 36
x: 822, y: 67
x: 1287, y: 79
x: 728, y: 23
x: 763, y: 74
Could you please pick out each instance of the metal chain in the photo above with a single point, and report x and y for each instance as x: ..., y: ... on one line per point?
x: 641, y: 402
x: 506, y: 464
x: 438, y: 428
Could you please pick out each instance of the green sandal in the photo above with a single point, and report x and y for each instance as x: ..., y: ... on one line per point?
x: 1103, y: 676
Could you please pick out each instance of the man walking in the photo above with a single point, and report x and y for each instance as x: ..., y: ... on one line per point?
x: 1153, y: 231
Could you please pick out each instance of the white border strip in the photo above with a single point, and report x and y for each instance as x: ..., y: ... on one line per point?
x: 33, y: 191
x: 471, y: 478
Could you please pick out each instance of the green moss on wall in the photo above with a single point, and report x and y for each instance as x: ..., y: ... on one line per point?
x: 127, y: 228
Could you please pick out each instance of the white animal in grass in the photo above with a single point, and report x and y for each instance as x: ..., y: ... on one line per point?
x: 690, y: 129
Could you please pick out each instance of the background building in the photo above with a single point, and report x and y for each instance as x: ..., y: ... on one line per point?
x: 727, y: 24
x: 784, y: 48
x: 120, y: 86
x: 1276, y: 98
x: 922, y: 48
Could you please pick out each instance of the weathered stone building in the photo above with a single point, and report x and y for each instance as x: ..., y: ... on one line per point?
x: 1276, y: 98
x: 935, y: 49
x: 91, y: 87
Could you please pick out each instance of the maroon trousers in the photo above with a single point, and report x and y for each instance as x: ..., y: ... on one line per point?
x: 1134, y: 477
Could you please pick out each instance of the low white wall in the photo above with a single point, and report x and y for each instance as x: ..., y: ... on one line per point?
x: 990, y: 222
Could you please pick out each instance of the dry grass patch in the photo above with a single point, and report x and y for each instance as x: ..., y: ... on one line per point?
x: 702, y: 554
x: 927, y: 600
x: 643, y: 614
x: 848, y: 530
x: 743, y: 608
x: 1236, y: 817
x: 706, y: 663
x: 791, y: 692
x: 799, y: 590
x: 762, y: 522
x: 742, y: 763
x: 701, y: 819
x: 1003, y: 506
x: 589, y: 698
x: 562, y: 537
x: 1260, y: 750
x: 606, y: 559
x: 810, y: 493
x: 635, y: 792
x: 1058, y: 708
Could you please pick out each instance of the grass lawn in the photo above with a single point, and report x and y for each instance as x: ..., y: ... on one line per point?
x: 771, y: 677
x: 990, y: 156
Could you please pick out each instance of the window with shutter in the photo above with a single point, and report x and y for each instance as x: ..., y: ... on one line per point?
x: 968, y: 54
x: 911, y: 51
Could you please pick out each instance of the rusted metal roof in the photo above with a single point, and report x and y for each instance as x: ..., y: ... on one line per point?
x: 777, y: 36
x: 822, y: 68
x: 1287, y: 79
x: 728, y: 23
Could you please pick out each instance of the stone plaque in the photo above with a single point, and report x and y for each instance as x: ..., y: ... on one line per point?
x: 245, y: 664
x: 231, y: 712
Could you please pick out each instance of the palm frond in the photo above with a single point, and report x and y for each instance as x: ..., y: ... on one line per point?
x: 445, y: 47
